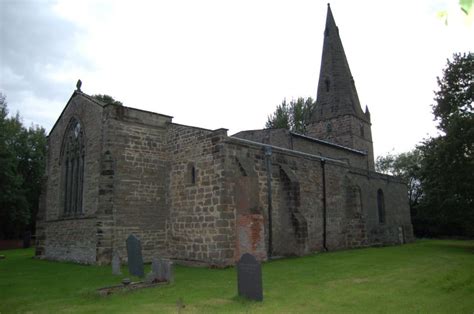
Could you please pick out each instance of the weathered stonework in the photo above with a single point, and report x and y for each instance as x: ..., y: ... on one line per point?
x: 202, y: 197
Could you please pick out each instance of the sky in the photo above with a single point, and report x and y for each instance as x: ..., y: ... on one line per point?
x: 228, y: 64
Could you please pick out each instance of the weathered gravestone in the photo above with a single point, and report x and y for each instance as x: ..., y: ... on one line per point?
x: 116, y: 264
x: 249, y: 277
x: 154, y: 274
x: 134, y: 254
x: 166, y: 270
x: 161, y: 271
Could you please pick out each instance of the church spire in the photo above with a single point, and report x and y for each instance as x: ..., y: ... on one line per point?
x: 337, y: 94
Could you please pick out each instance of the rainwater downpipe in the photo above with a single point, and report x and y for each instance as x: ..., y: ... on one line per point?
x: 323, y: 168
x: 268, y: 162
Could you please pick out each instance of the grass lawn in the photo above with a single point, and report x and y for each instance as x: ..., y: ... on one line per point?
x: 429, y: 276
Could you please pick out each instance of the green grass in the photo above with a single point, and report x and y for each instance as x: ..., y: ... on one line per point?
x: 429, y: 276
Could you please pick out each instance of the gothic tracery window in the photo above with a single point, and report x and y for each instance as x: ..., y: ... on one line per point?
x: 73, y: 168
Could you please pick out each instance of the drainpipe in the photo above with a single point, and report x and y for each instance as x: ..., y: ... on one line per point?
x: 323, y: 168
x: 268, y: 155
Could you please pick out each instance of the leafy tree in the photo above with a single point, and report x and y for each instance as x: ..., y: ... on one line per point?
x: 294, y: 116
x: 22, y: 153
x: 14, y: 211
x: 106, y: 99
x: 447, y: 161
x: 406, y: 166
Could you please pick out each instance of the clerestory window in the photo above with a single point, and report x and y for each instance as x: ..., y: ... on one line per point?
x: 73, y: 168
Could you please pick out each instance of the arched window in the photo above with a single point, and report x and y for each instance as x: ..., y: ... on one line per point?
x: 381, y: 206
x: 73, y: 168
x: 361, y: 128
x: 328, y: 127
x: 191, y: 174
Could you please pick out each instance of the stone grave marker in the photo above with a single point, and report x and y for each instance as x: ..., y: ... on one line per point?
x: 249, y: 277
x: 116, y: 264
x: 166, y: 270
x: 161, y: 271
x: 154, y: 275
x: 134, y: 254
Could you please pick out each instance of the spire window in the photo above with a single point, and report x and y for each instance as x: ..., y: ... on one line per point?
x: 328, y: 84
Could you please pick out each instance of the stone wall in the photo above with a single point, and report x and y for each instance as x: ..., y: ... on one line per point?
x: 298, y: 202
x: 199, y: 196
x: 346, y: 130
x: 285, y: 139
x: 71, y: 240
x: 135, y: 179
x: 61, y: 236
x: 202, y: 221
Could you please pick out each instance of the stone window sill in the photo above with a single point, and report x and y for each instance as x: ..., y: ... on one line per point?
x: 72, y: 217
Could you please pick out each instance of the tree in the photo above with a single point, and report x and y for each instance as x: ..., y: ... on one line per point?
x: 106, y: 99
x: 406, y: 166
x: 447, y: 161
x: 294, y: 116
x: 22, y: 153
x: 14, y: 211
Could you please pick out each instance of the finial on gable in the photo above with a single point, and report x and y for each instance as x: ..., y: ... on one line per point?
x: 78, y: 85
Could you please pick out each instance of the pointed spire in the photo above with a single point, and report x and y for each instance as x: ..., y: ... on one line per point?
x: 337, y: 94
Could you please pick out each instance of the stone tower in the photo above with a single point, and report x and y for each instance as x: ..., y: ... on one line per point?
x: 338, y: 116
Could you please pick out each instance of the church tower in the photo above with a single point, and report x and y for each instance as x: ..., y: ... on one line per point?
x: 338, y: 116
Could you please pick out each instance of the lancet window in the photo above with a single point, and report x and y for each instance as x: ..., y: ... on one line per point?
x: 73, y: 168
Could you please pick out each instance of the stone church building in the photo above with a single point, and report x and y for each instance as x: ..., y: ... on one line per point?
x: 201, y: 196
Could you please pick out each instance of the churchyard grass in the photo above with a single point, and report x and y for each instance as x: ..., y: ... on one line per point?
x: 429, y: 276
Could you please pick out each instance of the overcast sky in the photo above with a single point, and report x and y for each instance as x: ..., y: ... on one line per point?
x: 227, y: 64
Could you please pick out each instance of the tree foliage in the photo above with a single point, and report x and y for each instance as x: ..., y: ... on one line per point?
x: 447, y: 161
x: 443, y: 166
x: 294, y: 116
x: 106, y: 99
x: 22, y: 153
x: 406, y: 166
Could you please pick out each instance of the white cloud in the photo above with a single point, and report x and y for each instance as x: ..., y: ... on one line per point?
x: 228, y: 64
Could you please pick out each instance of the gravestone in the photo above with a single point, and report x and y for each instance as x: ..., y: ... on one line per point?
x: 116, y: 264
x: 134, y: 254
x: 166, y: 270
x: 156, y: 266
x: 161, y: 271
x: 154, y: 275
x: 249, y: 277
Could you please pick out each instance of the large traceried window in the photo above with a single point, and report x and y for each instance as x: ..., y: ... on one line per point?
x: 73, y: 168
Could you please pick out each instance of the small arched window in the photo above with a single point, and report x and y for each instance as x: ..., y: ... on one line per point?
x: 381, y: 206
x: 73, y: 168
x: 191, y: 174
x: 328, y: 127
x: 361, y: 128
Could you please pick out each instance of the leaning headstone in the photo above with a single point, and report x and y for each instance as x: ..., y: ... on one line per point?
x: 134, y: 254
x: 116, y: 264
x: 249, y: 277
x: 27, y: 239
